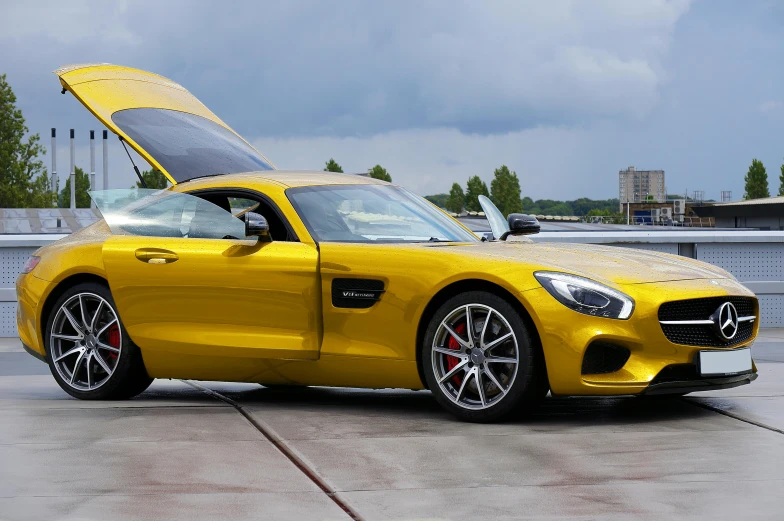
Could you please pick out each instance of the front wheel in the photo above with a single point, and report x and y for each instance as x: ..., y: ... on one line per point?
x: 479, y: 358
x: 89, y: 353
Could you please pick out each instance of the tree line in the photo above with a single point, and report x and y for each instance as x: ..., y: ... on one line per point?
x: 580, y: 207
x: 24, y: 181
x: 377, y: 172
x: 504, y: 192
x: 757, y: 181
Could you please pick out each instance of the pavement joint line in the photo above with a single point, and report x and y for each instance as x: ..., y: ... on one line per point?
x: 284, y: 449
x: 735, y: 416
x: 625, y: 483
x: 622, y: 483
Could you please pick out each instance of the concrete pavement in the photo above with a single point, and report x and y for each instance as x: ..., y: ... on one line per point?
x: 176, y: 452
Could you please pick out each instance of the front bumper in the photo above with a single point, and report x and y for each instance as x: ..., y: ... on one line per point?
x: 565, y: 336
x: 31, y: 294
x: 697, y: 383
x: 35, y: 354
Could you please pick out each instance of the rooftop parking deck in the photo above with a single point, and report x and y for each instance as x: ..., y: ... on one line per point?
x: 236, y: 451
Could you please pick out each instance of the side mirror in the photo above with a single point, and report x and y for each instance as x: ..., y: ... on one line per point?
x: 522, y: 224
x: 256, y: 226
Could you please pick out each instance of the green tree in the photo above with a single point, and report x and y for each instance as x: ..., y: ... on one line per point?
x: 756, y: 181
x: 333, y: 166
x: 438, y: 199
x: 82, y: 189
x: 505, y: 191
x: 474, y: 188
x: 24, y: 182
x: 781, y: 181
x: 528, y: 204
x: 154, y: 179
x: 456, y: 199
x: 377, y: 172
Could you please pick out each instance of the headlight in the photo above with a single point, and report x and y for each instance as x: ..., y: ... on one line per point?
x: 586, y: 296
x: 31, y: 263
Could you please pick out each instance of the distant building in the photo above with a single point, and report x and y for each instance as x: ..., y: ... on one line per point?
x: 765, y: 214
x: 636, y: 186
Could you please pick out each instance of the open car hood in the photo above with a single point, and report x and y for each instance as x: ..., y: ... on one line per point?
x: 162, y: 121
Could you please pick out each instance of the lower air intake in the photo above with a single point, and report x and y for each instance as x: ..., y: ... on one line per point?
x: 603, y: 358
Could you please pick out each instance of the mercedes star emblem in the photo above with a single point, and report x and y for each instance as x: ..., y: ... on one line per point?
x: 725, y: 320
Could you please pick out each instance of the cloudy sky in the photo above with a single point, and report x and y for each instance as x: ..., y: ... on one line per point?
x: 564, y: 92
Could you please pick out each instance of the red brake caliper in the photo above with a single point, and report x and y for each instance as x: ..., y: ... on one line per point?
x: 114, y: 338
x: 452, y: 361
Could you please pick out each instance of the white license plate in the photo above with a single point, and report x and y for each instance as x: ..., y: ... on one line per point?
x: 725, y: 362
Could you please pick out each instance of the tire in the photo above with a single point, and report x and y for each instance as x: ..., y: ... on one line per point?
x: 88, y: 350
x: 506, y: 388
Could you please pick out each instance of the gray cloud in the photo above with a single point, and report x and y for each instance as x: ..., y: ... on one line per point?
x: 359, y: 68
x: 566, y: 93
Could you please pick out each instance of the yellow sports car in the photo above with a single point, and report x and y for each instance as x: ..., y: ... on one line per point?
x: 241, y: 272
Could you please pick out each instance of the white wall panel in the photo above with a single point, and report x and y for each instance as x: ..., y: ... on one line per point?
x: 747, y: 261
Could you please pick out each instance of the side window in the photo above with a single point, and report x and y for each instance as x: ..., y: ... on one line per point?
x: 212, y: 222
x: 163, y: 213
x: 239, y: 204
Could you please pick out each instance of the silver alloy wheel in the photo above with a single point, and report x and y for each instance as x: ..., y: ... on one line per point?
x: 475, y: 356
x: 81, y: 343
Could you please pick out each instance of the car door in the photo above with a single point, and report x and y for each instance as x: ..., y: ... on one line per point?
x: 186, y: 281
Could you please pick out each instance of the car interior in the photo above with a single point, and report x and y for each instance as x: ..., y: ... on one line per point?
x: 240, y: 203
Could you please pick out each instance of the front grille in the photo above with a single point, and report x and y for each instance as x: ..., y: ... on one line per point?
x: 702, y: 309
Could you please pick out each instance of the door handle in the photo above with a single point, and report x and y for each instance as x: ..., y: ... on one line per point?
x: 156, y: 256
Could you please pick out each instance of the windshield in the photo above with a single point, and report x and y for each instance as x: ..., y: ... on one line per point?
x: 372, y: 213
x: 163, y: 213
x: 188, y: 146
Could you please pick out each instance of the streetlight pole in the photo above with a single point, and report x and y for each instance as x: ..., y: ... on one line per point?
x: 92, y: 165
x: 54, y: 161
x: 105, y: 160
x: 73, y: 173
x: 627, y: 209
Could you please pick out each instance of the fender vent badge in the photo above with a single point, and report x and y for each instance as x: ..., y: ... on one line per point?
x: 356, y: 293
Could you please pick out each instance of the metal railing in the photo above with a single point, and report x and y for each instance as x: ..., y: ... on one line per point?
x: 755, y: 258
x: 686, y: 222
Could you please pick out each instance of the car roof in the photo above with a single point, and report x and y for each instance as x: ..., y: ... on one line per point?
x: 283, y: 178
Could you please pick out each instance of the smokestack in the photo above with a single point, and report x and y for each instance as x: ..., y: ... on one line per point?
x: 105, y: 160
x: 92, y: 165
x: 53, y: 179
x: 73, y: 173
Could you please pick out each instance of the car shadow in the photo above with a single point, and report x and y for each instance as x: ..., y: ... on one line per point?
x: 420, y: 404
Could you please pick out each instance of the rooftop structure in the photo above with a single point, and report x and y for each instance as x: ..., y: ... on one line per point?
x: 765, y: 214
x: 635, y: 186
x: 45, y: 220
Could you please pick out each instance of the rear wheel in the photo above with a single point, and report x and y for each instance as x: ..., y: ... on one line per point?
x: 89, y: 353
x: 479, y: 359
